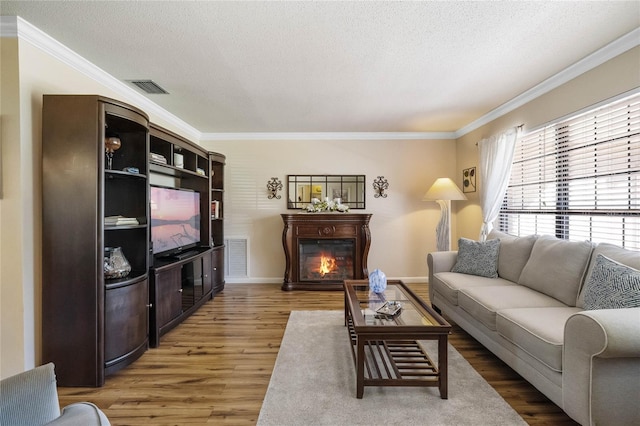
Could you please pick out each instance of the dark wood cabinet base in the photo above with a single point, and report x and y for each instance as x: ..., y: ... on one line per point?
x: 178, y: 289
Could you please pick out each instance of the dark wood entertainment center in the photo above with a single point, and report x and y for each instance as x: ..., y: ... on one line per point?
x: 180, y: 286
x: 93, y: 326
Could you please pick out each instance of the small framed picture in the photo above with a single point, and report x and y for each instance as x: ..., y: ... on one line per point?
x: 469, y: 180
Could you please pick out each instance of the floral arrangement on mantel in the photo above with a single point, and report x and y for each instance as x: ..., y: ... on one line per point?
x: 327, y: 205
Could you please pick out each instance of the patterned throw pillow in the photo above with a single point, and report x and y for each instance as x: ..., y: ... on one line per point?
x: 477, y: 258
x: 612, y: 285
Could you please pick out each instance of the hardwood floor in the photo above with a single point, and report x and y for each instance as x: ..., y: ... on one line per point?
x: 215, y: 367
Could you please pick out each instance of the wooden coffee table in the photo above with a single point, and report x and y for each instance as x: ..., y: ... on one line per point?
x: 385, y: 348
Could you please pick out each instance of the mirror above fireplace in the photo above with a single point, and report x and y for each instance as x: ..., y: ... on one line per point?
x: 350, y: 189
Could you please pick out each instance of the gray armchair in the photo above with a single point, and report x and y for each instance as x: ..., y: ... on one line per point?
x: 31, y: 399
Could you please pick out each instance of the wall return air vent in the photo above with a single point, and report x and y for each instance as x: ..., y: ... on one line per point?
x: 149, y: 86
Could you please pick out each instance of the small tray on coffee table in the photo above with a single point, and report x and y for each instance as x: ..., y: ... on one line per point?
x: 390, y: 308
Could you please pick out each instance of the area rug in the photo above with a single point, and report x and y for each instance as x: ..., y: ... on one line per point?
x: 314, y: 383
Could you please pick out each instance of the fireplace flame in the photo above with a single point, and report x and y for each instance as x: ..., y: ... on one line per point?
x: 327, y: 265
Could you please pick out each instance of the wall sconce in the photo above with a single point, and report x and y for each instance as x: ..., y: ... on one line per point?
x: 273, y: 186
x: 379, y: 185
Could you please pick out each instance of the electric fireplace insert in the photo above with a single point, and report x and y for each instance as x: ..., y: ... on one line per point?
x: 326, y: 259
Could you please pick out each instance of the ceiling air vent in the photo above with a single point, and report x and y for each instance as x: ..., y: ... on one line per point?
x: 149, y: 86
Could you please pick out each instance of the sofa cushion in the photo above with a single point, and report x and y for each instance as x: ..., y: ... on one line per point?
x: 612, y: 285
x: 615, y: 253
x: 447, y: 284
x: 484, y: 302
x: 556, y: 267
x: 514, y: 253
x: 477, y: 258
x: 537, y: 331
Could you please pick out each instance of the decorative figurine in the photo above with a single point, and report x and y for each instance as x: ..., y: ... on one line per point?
x: 377, y: 281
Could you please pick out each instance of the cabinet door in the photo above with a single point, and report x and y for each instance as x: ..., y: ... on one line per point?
x: 191, y: 283
x: 168, y: 289
x: 217, y: 269
x: 126, y: 320
x: 207, y: 271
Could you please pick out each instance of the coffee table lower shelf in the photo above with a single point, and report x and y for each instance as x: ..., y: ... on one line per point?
x: 394, y: 363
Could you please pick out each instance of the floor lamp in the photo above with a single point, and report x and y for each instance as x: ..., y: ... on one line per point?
x: 442, y: 192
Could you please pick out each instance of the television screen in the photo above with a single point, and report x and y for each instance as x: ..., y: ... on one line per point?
x: 175, y: 219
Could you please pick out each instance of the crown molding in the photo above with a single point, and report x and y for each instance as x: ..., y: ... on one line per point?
x: 12, y: 26
x: 18, y: 27
x: 320, y: 136
x: 600, y: 56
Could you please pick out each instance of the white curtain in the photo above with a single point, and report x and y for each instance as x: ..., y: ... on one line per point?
x: 496, y: 156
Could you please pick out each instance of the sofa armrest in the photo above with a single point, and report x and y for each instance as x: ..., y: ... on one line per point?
x: 440, y: 261
x: 601, y: 366
x: 81, y: 414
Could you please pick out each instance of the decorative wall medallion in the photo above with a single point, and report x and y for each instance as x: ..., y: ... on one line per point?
x: 380, y: 184
x: 273, y: 186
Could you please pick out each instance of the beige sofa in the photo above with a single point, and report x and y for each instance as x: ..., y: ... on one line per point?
x: 533, y: 317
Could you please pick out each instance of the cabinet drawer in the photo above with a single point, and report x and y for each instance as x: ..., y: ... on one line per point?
x: 327, y: 231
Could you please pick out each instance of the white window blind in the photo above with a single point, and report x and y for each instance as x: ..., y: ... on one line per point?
x: 579, y: 178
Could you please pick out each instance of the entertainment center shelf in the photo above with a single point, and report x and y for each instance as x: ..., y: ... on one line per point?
x: 93, y: 325
x: 180, y: 154
x: 217, y: 204
x: 180, y: 286
x: 98, y: 175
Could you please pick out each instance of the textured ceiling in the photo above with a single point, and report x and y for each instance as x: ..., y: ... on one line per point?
x: 332, y: 66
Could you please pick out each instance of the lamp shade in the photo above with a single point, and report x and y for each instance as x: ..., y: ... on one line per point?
x: 444, y: 189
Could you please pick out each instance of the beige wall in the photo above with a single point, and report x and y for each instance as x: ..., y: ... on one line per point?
x: 612, y: 78
x: 16, y: 312
x: 403, y: 227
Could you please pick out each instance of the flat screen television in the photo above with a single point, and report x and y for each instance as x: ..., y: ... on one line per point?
x: 175, y: 220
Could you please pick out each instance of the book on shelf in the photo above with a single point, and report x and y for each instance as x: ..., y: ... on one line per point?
x: 120, y: 220
x: 158, y: 158
x: 215, y: 209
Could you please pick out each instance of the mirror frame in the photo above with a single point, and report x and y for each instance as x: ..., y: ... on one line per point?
x: 349, y: 188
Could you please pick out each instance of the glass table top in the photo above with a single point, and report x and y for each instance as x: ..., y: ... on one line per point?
x: 413, y: 311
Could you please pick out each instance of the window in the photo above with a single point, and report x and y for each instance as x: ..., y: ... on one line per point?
x: 579, y: 178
